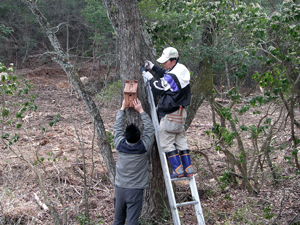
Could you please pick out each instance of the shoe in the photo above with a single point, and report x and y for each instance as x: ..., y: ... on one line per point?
x: 175, y: 162
x: 186, y: 162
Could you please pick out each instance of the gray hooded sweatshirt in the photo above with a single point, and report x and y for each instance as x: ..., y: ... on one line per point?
x: 132, y: 164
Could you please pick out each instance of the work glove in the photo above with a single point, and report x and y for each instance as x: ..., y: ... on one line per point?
x: 148, y: 65
x: 147, y: 75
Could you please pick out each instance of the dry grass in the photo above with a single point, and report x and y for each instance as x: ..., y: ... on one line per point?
x: 64, y: 175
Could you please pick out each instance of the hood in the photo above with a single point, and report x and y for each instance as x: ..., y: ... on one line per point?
x: 182, y: 73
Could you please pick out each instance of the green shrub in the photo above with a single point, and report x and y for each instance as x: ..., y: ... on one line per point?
x: 113, y: 91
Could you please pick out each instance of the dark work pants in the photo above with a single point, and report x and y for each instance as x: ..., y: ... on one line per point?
x: 128, y: 205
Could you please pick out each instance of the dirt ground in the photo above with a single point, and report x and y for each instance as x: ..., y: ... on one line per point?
x: 61, y: 147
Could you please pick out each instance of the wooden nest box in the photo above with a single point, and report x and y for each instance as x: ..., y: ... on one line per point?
x: 130, y: 92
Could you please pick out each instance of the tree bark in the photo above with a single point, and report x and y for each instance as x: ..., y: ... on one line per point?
x: 202, y: 84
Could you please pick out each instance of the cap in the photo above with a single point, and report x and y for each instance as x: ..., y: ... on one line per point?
x: 167, y: 54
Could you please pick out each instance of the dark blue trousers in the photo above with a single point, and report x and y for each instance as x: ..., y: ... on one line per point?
x: 128, y: 205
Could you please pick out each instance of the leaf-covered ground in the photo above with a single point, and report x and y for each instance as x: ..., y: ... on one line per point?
x: 61, y: 148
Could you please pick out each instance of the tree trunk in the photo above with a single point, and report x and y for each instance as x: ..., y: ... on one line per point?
x: 202, y: 84
x: 134, y: 48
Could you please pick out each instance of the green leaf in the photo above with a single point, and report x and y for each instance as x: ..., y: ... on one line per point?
x: 243, y: 128
x: 19, y: 115
x: 295, y: 151
x: 15, y: 138
x: 5, y: 135
x: 244, y: 109
x: 5, y: 112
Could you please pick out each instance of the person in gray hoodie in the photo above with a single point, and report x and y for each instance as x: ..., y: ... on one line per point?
x: 132, y: 172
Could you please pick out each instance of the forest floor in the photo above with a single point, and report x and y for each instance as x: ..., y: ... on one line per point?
x: 61, y: 148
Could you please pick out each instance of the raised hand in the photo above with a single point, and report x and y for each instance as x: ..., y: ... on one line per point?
x: 137, y: 105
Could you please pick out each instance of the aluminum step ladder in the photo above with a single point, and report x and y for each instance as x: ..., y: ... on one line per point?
x: 168, y: 181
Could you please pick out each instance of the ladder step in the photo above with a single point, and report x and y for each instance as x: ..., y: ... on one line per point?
x: 187, y: 203
x: 182, y: 178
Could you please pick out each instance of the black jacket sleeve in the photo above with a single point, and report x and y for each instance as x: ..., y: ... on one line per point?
x: 159, y: 71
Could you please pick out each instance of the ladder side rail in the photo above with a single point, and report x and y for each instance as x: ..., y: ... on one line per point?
x: 163, y: 160
x: 195, y: 196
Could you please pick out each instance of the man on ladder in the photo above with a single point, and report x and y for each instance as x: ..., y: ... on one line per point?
x: 174, y: 89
